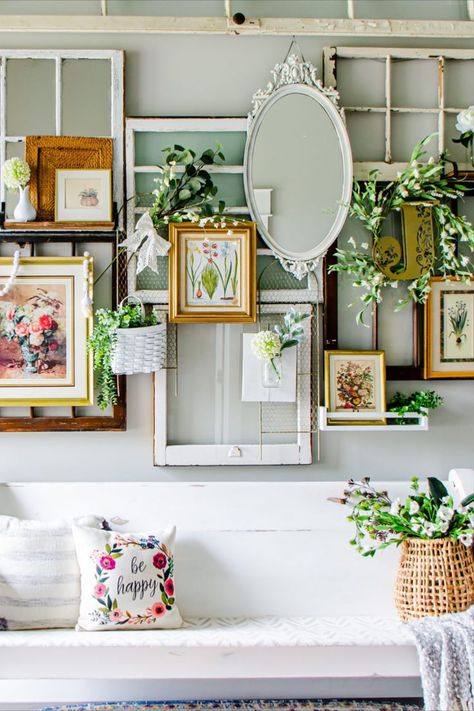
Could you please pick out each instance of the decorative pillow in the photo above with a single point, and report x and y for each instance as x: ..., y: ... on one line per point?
x: 39, y: 574
x: 126, y: 579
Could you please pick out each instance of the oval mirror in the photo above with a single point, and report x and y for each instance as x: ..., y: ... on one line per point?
x: 298, y: 166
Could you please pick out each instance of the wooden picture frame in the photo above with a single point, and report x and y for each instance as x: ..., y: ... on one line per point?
x: 212, y: 273
x: 46, y: 154
x: 44, y: 358
x: 83, y: 195
x: 449, y: 329
x: 355, y: 382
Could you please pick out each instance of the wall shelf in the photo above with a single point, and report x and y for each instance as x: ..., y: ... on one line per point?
x: 420, y: 423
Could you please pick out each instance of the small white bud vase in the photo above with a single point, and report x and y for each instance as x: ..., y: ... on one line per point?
x: 24, y: 211
x: 272, y: 372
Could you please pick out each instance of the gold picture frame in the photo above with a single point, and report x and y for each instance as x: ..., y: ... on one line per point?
x: 449, y: 329
x: 212, y: 274
x: 362, y: 381
x: 44, y: 357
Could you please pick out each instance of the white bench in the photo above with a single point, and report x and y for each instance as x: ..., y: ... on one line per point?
x: 276, y: 602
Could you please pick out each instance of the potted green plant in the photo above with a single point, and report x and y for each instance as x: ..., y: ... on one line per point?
x: 436, y: 569
x: 419, y: 402
x: 124, y: 340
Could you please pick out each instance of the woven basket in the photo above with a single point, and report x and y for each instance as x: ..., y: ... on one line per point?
x: 139, y: 350
x: 434, y: 577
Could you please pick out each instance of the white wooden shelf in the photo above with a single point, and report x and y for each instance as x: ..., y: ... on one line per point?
x: 420, y: 421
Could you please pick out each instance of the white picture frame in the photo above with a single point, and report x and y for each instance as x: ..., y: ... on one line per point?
x: 83, y: 195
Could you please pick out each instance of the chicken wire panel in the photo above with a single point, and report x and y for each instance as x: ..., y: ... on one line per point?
x: 285, y: 418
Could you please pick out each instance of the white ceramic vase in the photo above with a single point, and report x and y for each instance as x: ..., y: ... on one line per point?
x: 24, y: 211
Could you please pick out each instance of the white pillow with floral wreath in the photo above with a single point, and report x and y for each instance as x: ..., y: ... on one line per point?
x: 127, y: 579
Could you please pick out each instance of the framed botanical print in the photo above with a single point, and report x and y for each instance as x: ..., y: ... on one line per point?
x: 449, y: 329
x: 355, y: 382
x: 83, y: 195
x: 44, y: 359
x: 212, y: 274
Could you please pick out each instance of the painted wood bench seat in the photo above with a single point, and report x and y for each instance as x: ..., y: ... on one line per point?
x: 268, y: 585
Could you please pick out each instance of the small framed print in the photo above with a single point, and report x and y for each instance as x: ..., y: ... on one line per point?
x: 355, y: 382
x: 449, y: 329
x: 44, y: 359
x: 212, y: 274
x: 83, y: 195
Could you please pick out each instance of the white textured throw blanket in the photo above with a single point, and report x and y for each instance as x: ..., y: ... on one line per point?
x: 446, y: 650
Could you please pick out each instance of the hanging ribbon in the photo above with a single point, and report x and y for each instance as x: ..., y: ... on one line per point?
x: 146, y: 244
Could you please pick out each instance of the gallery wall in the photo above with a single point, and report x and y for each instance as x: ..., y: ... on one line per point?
x: 216, y: 76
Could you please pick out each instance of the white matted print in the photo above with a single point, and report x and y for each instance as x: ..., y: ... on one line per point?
x: 43, y: 334
x: 83, y: 195
x: 253, y: 389
x: 449, y: 329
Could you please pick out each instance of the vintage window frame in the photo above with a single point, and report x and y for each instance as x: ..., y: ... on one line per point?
x: 116, y: 57
x: 313, y: 290
x: 388, y: 171
x: 237, y: 454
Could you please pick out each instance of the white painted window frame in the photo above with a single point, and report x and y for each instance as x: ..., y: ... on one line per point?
x: 116, y: 58
x: 237, y: 454
x: 313, y: 291
x: 387, y: 168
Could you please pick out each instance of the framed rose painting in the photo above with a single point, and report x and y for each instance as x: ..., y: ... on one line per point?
x: 355, y: 382
x: 212, y: 274
x: 44, y: 358
x: 449, y: 329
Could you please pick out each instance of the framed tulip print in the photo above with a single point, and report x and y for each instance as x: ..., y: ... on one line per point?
x: 355, y: 382
x: 44, y: 359
x: 212, y: 274
x: 449, y: 329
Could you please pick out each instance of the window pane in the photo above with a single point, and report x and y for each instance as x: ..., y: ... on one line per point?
x: 86, y: 104
x: 30, y: 97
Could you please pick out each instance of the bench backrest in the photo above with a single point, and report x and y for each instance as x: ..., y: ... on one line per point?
x: 243, y: 549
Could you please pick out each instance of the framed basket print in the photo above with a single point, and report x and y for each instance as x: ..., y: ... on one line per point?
x: 449, y: 329
x: 44, y: 359
x: 83, y: 195
x: 212, y: 274
x: 355, y: 383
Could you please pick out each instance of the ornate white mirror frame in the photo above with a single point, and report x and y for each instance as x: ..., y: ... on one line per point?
x: 296, y: 76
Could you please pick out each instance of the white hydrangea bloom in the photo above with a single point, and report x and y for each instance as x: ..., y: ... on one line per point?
x: 16, y: 174
x: 265, y: 345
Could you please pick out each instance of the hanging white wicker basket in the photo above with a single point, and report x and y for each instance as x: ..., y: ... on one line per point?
x: 139, y: 350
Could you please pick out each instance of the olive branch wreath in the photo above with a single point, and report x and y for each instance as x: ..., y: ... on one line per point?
x: 372, y: 204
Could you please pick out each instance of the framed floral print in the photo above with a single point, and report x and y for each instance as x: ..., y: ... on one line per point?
x: 44, y: 359
x: 212, y: 274
x: 355, y: 382
x: 449, y: 329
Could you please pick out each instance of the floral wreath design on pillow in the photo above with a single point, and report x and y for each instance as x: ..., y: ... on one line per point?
x: 105, y: 561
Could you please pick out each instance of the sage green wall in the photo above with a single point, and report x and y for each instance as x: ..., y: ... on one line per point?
x: 216, y: 76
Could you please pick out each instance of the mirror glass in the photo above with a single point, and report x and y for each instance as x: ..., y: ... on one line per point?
x: 298, y: 174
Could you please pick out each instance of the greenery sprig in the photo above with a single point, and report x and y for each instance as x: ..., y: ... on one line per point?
x: 372, y: 204
x: 102, y: 344
x: 418, y: 402
x: 381, y: 522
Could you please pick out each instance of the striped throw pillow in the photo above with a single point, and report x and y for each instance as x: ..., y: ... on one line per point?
x: 39, y: 574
